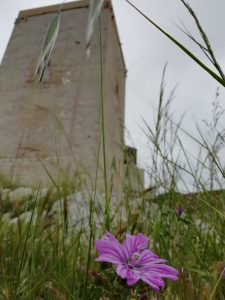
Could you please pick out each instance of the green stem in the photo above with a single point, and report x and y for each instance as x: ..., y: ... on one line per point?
x: 107, y: 213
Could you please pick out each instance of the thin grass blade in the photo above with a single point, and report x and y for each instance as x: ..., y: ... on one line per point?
x: 47, y: 47
x: 94, y: 12
x: 182, y: 47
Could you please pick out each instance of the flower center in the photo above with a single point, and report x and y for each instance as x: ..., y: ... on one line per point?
x: 133, y: 259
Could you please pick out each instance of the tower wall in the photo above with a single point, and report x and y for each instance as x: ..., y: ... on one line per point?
x: 55, y: 126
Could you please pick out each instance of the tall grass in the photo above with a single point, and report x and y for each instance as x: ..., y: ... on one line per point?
x: 205, y: 48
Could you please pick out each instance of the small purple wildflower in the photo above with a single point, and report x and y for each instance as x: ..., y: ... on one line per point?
x: 179, y: 211
x: 134, y: 261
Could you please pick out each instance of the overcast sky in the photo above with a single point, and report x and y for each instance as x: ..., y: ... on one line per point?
x: 146, y: 50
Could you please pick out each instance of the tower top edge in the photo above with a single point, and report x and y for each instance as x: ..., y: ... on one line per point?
x: 54, y: 8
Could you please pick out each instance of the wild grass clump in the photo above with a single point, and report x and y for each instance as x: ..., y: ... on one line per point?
x: 41, y: 261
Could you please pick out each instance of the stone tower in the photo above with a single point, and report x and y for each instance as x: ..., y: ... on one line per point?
x: 55, y: 126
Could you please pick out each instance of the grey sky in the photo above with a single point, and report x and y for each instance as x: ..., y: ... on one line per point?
x: 146, y: 50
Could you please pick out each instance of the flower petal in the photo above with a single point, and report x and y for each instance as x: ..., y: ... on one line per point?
x: 110, y: 250
x: 132, y: 277
x: 135, y: 243
x: 159, y: 270
x: 110, y: 258
x: 109, y: 237
x: 151, y: 279
x: 166, y: 271
x: 147, y: 256
x: 121, y: 271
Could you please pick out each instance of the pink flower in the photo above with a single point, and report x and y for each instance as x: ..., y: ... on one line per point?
x: 134, y: 261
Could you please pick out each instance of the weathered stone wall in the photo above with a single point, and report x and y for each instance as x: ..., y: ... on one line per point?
x: 56, y: 124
